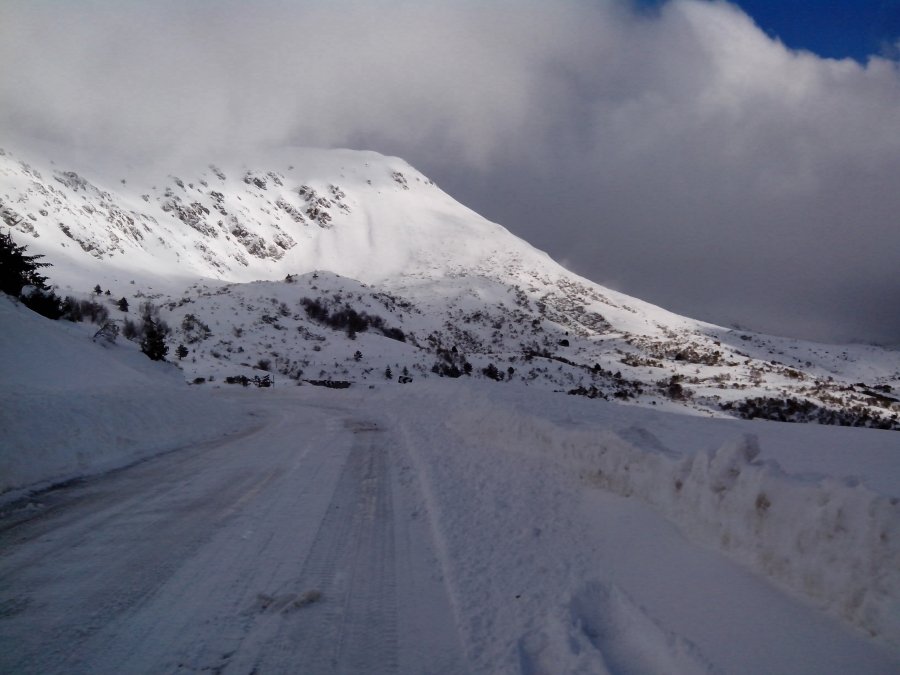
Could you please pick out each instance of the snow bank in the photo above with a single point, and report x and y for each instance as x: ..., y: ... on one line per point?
x: 832, y: 540
x: 49, y: 437
x: 71, y: 407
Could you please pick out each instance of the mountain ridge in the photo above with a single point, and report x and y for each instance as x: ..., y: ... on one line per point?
x: 274, y: 255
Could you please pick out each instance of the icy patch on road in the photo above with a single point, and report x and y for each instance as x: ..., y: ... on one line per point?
x: 832, y: 540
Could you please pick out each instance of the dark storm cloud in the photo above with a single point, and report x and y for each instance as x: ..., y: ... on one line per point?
x: 680, y: 154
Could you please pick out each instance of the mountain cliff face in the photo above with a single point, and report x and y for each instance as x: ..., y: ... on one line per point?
x: 357, y: 214
x: 351, y: 267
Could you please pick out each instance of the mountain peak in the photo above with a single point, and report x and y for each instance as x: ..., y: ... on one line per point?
x: 360, y: 214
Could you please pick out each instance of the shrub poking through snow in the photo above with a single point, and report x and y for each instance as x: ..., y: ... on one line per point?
x: 84, y: 310
x: 801, y: 410
x: 109, y: 331
x: 194, y: 329
x: 348, y: 319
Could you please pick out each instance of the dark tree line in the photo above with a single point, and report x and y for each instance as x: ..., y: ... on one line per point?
x: 348, y: 319
x: 802, y: 410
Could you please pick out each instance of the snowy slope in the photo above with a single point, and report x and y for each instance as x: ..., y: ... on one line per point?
x: 70, y: 406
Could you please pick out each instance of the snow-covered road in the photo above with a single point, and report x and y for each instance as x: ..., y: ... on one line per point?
x: 403, y: 530
x: 276, y: 550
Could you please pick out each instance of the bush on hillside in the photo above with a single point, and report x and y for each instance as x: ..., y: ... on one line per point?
x: 84, y: 310
x: 348, y: 319
x: 44, y: 302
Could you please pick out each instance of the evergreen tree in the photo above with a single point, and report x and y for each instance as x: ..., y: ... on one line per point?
x: 492, y: 372
x: 17, y: 269
x: 153, y: 344
x: 123, y: 304
x: 181, y: 352
x: 388, y: 375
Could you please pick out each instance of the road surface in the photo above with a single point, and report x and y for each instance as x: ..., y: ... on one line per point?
x: 386, y: 532
x: 297, y: 546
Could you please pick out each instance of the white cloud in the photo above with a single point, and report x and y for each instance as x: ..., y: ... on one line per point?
x: 684, y: 153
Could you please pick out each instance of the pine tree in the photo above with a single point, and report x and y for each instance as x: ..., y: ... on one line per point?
x: 123, y: 304
x: 153, y: 344
x: 492, y: 372
x: 17, y: 269
x: 181, y: 352
x: 388, y: 375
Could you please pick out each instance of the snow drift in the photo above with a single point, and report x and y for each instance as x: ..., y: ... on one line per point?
x: 832, y: 540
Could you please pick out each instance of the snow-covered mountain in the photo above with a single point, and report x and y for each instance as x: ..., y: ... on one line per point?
x: 341, y: 266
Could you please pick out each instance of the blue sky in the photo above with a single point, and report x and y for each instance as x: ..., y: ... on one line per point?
x: 830, y: 28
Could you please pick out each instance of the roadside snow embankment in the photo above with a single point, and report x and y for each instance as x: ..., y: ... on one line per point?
x: 832, y: 540
x: 70, y: 407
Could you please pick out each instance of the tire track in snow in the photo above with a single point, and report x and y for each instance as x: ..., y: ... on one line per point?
x: 341, y: 616
x: 369, y: 631
x: 110, y: 545
x: 279, y: 552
